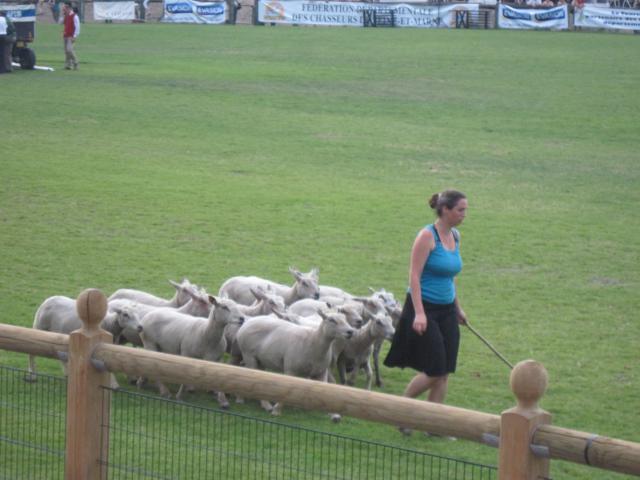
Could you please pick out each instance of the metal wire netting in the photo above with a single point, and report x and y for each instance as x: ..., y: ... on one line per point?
x: 32, y: 425
x: 152, y: 437
x: 156, y: 438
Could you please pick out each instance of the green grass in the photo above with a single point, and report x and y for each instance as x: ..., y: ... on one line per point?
x: 209, y: 152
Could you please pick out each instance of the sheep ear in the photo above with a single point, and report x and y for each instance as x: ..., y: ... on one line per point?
x: 372, y: 290
x: 295, y: 272
x: 257, y: 292
x: 315, y: 272
x: 175, y: 284
x: 191, y: 292
x: 213, y: 300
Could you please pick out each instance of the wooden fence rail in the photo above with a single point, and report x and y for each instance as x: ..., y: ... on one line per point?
x: 525, y: 439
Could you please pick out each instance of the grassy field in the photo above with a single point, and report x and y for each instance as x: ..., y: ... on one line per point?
x: 209, y: 152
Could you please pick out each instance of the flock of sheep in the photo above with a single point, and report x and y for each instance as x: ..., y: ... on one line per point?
x: 306, y: 330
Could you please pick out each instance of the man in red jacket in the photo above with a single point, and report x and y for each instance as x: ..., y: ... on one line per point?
x: 71, y: 31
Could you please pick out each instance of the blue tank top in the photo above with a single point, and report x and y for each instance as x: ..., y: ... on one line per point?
x: 436, y: 281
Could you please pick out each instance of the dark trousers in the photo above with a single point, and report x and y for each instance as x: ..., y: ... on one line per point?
x: 6, y: 46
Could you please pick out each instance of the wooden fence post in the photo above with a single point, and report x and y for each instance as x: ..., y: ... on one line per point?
x: 87, y: 403
x: 517, y: 425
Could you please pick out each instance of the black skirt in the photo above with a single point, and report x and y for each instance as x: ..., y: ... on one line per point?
x: 435, y: 352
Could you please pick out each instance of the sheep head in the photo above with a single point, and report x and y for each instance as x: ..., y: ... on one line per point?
x: 336, y: 324
x: 382, y: 326
x: 225, y: 310
x: 306, y: 283
x: 184, y: 289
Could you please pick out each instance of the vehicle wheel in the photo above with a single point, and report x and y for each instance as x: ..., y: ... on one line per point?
x: 27, y: 59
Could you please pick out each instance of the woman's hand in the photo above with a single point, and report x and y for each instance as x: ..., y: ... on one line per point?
x: 420, y: 323
x: 462, y: 317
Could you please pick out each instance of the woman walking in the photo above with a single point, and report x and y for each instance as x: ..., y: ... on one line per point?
x: 428, y: 333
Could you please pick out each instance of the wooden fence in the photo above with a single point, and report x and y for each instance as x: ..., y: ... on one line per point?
x: 523, y: 434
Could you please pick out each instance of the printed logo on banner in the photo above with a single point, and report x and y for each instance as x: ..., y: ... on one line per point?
x: 273, y: 11
x: 512, y: 14
x: 555, y: 14
x: 17, y: 14
x: 217, y: 9
x: 179, y: 8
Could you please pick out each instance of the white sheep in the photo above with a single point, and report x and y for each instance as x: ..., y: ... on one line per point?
x: 181, y: 296
x: 59, y: 314
x: 356, y: 353
x: 312, y: 319
x: 308, y: 306
x: 391, y: 305
x: 333, y: 292
x: 198, y: 306
x: 267, y: 302
x: 269, y: 343
x: 165, y: 330
x: 305, y: 286
x: 368, y: 307
x: 307, y: 309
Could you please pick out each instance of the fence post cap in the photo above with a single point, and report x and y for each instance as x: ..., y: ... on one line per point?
x: 91, y: 305
x: 529, y: 382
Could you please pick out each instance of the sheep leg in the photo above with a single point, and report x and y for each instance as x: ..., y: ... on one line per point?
x: 276, y: 410
x: 342, y: 370
x: 335, y: 417
x: 222, y: 400
x: 377, y: 346
x: 267, y: 406
x: 140, y: 382
x: 367, y: 370
x: 236, y: 359
x: 113, y: 382
x: 162, y: 388
x: 252, y: 362
x: 180, y: 390
x: 352, y: 376
x: 31, y: 376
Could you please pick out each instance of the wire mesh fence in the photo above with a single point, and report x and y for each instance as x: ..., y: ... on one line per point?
x: 156, y: 438
x: 32, y: 425
x: 151, y: 437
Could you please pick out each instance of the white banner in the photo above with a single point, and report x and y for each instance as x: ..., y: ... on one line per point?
x: 19, y: 13
x: 190, y: 11
x: 114, y: 10
x: 604, y: 17
x: 556, y: 18
x: 350, y: 13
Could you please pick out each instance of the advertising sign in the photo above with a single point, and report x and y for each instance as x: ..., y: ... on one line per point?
x: 303, y: 12
x: 556, y: 18
x: 114, y: 10
x: 190, y: 11
x: 605, y: 17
